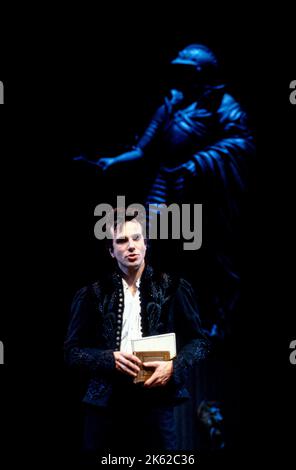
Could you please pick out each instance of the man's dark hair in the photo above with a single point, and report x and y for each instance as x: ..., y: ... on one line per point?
x: 118, y: 217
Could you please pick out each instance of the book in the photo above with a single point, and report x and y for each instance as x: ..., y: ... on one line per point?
x: 153, y: 348
x: 165, y: 342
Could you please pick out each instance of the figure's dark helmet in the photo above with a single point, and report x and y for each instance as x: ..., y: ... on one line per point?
x: 198, y: 55
x: 200, y: 65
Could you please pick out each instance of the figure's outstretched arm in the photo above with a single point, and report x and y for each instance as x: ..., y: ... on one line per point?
x: 142, y: 145
x: 106, y: 162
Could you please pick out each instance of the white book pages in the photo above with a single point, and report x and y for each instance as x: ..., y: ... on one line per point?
x: 166, y: 342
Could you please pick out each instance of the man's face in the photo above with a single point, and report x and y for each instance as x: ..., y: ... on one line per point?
x: 129, y: 247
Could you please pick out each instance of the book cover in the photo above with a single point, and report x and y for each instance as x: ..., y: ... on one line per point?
x: 149, y: 356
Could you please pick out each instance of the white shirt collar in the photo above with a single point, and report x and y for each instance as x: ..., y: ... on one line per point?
x: 126, y: 286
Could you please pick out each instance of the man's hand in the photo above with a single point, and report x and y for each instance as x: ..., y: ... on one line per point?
x: 127, y: 363
x: 161, y: 375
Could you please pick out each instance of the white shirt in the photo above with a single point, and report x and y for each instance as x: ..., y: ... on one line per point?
x: 131, y: 320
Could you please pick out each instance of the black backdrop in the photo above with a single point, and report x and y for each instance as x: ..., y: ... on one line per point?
x: 89, y: 88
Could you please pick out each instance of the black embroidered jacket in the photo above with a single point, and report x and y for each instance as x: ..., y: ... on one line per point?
x: 167, y: 305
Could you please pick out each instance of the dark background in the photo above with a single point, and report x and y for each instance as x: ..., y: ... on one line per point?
x: 75, y: 86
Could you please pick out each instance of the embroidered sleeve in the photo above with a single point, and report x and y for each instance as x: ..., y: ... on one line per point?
x: 80, y: 345
x: 192, y: 344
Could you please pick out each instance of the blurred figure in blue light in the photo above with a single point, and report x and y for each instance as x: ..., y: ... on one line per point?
x: 198, y: 133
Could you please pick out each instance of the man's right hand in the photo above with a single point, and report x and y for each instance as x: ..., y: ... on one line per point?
x: 127, y: 363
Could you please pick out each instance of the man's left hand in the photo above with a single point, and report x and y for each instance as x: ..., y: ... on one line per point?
x: 161, y: 375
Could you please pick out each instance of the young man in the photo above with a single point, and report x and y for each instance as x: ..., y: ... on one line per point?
x: 132, y: 302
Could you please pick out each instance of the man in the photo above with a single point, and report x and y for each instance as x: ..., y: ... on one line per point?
x: 132, y: 302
